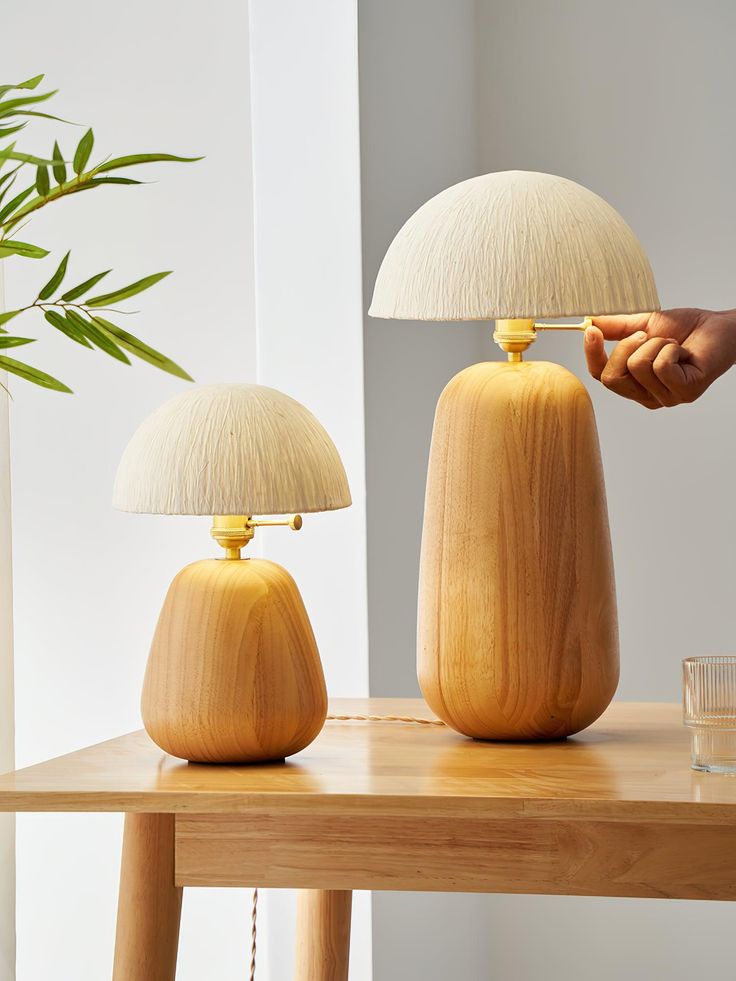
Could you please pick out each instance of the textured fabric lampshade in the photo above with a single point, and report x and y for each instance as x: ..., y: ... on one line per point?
x: 231, y: 450
x: 514, y: 244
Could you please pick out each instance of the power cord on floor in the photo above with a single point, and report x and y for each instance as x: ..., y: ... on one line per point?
x: 334, y: 718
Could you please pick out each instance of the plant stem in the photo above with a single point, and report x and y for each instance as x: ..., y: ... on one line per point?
x: 65, y: 305
x: 78, y: 183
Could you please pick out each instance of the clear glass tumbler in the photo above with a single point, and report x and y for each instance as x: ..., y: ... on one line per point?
x: 709, y: 704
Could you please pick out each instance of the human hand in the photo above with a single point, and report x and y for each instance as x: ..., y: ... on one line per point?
x: 664, y: 358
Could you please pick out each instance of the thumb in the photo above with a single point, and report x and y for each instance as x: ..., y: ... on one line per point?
x: 595, y: 352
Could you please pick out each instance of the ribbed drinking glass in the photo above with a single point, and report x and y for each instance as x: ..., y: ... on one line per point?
x: 709, y: 704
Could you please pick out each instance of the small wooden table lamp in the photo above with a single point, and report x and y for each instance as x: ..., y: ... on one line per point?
x: 234, y: 674
x: 517, y: 629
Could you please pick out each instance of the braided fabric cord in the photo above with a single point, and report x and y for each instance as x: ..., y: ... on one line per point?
x: 253, y: 933
x: 385, y: 718
x: 334, y: 718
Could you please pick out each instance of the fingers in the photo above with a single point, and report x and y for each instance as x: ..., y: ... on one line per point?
x: 640, y: 366
x: 650, y: 365
x: 683, y: 380
x: 617, y: 377
x: 618, y: 327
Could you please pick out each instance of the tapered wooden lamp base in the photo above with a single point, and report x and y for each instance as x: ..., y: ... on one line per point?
x: 518, y: 634
x: 234, y: 674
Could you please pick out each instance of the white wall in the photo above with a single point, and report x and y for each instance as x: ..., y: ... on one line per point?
x: 7, y: 706
x: 89, y: 582
x: 633, y: 100
x: 306, y: 160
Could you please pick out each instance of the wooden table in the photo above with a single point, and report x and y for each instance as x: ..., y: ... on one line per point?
x: 613, y: 811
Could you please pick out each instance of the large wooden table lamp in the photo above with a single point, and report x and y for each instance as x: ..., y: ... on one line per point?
x: 517, y: 628
x: 234, y: 675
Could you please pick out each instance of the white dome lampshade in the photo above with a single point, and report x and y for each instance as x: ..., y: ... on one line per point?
x: 231, y: 450
x: 514, y: 245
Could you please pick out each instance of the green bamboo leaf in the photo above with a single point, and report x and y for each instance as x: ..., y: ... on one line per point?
x: 29, y: 158
x: 30, y: 83
x: 8, y: 315
x: 122, y: 294
x: 54, y: 318
x: 98, y: 337
x: 9, y: 341
x: 10, y: 176
x: 73, y: 331
x: 44, y: 115
x: 112, y: 180
x: 58, y: 167
x: 7, y: 187
x: 15, y: 202
x: 10, y: 247
x: 83, y: 151
x: 135, y: 346
x: 80, y: 290
x: 140, y: 158
x: 6, y: 131
x: 42, y: 181
x: 55, y: 282
x: 10, y: 153
x: 30, y: 374
x: 66, y: 326
x: 11, y: 106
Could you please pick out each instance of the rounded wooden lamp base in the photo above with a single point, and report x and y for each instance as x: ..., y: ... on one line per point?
x: 234, y: 674
x: 518, y: 636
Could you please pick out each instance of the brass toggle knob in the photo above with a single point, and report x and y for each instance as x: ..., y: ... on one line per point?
x: 233, y: 532
x: 294, y: 522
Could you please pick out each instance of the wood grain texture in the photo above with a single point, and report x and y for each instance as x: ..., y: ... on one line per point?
x: 231, y: 449
x: 234, y: 674
x: 514, y: 244
x: 517, y: 629
x: 545, y: 855
x: 149, y: 905
x: 633, y: 763
x: 323, y: 935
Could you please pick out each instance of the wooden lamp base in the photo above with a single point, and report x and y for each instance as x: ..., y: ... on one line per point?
x: 518, y: 636
x: 234, y: 674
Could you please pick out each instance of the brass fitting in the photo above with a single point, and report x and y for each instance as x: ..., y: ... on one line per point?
x: 233, y: 532
x: 515, y: 336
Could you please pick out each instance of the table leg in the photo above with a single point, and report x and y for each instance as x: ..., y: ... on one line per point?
x: 149, y: 904
x: 323, y: 934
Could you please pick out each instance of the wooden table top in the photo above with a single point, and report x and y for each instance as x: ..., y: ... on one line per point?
x: 633, y: 763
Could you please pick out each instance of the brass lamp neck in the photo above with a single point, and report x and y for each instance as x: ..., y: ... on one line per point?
x: 515, y: 336
x: 233, y: 532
